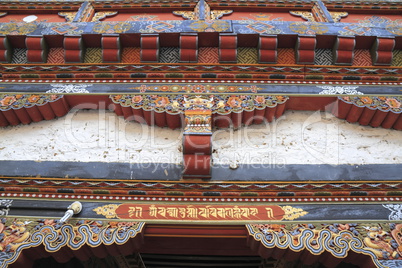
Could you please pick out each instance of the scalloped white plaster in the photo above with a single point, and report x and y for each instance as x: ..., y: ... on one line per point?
x: 298, y: 137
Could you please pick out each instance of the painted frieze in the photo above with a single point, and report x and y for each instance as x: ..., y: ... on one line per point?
x: 18, y: 101
x: 380, y: 241
x: 18, y: 234
x: 220, y: 104
x: 384, y: 28
x: 382, y: 103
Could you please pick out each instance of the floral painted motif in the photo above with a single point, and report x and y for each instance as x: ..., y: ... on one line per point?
x: 172, y: 104
x: 18, y: 101
x: 33, y: 98
x: 234, y: 102
x: 393, y: 103
x: 220, y: 104
x: 8, y: 100
x: 385, y: 104
x: 259, y: 99
x: 225, y: 104
x: 198, y: 88
x: 162, y: 102
x: 366, y: 100
x: 135, y: 99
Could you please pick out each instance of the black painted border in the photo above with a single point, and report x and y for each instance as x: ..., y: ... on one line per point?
x: 173, y: 172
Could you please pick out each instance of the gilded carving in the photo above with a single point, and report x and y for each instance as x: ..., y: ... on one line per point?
x: 337, y: 16
x: 220, y: 104
x: 199, y: 212
x: 103, y: 14
x: 308, y: 16
x: 202, y: 11
x: 109, y: 211
x: 292, y: 213
x: 69, y: 16
x: 188, y: 15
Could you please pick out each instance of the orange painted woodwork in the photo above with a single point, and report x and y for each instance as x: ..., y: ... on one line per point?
x: 197, y: 165
x: 343, y: 50
x: 149, y: 48
x: 36, y: 49
x: 381, y: 52
x: 111, y: 51
x: 188, y: 48
x: 197, y: 144
x: 5, y: 50
x: 267, y: 49
x: 305, y: 49
x: 73, y: 49
x: 227, y: 48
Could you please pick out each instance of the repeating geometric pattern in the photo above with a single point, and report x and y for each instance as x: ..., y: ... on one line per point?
x: 208, y: 55
x: 56, y: 55
x: 286, y: 56
x: 397, y: 58
x: 362, y: 57
x: 247, y: 55
x: 19, y: 56
x: 345, y: 70
x: 328, y: 187
x: 323, y: 57
x: 131, y: 55
x: 169, y: 55
x: 93, y: 55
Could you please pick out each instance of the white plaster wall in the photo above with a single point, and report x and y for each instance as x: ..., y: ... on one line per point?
x: 304, y: 137
x: 296, y: 138
x: 90, y: 136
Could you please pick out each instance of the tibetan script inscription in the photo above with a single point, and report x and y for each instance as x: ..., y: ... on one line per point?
x: 199, y: 212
